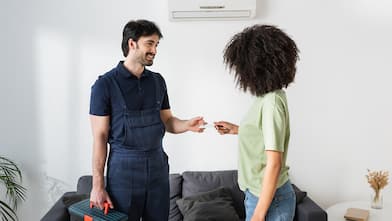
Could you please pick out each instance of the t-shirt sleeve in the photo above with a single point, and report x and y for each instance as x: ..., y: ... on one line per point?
x: 165, y: 102
x: 100, y: 99
x: 274, y: 124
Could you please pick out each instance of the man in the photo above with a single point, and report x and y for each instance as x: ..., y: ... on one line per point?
x: 130, y: 110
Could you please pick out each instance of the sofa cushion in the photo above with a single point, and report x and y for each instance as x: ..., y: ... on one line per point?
x: 72, y: 199
x: 175, y: 194
x: 299, y: 195
x: 198, y: 182
x: 213, y: 205
x: 85, y: 184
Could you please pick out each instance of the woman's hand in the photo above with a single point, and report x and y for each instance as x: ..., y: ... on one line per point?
x: 224, y: 127
x: 258, y: 215
x: 256, y: 218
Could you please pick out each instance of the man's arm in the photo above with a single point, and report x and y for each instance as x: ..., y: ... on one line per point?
x: 176, y: 126
x: 100, y: 129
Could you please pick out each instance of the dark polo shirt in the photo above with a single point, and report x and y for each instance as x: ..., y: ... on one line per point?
x: 139, y: 93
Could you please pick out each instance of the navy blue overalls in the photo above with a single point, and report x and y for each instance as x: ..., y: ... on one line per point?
x: 138, y: 170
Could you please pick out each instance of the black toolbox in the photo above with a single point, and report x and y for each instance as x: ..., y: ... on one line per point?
x: 82, y: 211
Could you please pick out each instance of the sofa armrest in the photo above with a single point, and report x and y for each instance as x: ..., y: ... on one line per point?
x: 58, y: 211
x: 308, y: 210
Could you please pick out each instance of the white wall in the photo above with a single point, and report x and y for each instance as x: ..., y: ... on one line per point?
x: 52, y: 51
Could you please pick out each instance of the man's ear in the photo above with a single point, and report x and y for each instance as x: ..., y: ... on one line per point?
x: 131, y: 44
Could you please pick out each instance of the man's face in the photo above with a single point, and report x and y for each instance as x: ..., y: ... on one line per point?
x: 146, y: 48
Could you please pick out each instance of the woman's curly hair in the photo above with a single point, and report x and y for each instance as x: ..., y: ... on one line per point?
x: 263, y: 59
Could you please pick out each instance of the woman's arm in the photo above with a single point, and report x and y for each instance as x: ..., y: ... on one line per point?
x: 270, y: 181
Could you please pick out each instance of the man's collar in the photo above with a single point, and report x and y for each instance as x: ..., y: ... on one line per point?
x: 124, y: 72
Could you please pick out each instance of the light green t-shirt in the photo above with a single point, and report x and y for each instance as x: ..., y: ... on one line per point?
x: 265, y: 127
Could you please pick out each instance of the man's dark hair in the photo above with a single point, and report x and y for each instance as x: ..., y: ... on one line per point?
x: 135, y: 30
x: 263, y: 59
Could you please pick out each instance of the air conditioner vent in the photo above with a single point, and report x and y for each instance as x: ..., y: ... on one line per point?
x: 211, y: 9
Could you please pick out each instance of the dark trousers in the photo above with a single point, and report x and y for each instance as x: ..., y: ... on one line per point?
x: 138, y: 185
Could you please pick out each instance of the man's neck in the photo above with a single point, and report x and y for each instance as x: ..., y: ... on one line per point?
x: 135, y: 68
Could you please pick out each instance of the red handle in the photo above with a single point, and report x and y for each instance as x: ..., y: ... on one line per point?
x: 105, y: 207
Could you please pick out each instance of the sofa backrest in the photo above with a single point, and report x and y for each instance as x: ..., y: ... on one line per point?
x: 194, y: 182
x: 188, y: 184
x: 175, y: 194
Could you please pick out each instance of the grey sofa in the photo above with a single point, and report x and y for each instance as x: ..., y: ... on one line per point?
x: 194, y: 184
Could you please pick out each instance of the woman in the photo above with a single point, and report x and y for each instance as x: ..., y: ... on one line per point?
x: 263, y: 60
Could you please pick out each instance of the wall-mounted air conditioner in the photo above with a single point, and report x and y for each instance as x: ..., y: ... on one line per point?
x: 211, y: 9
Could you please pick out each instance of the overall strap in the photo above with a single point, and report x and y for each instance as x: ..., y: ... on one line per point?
x: 119, y: 92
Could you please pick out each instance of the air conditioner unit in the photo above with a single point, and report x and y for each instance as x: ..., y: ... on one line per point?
x: 211, y: 9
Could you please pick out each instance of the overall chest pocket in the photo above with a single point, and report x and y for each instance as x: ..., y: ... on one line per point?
x: 143, y: 132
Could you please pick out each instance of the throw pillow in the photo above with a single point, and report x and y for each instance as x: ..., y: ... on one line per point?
x: 299, y: 195
x: 213, y: 205
x: 195, y: 182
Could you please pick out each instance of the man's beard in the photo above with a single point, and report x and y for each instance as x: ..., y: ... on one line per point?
x: 144, y: 61
x: 148, y: 62
x: 143, y: 58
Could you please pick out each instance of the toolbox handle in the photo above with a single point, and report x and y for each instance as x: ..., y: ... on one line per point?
x: 105, y: 207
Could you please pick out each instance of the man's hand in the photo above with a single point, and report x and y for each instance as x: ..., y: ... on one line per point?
x: 98, y: 197
x: 224, y: 127
x: 195, y: 123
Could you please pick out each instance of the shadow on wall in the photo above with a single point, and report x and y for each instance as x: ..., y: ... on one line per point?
x: 53, y: 53
x: 18, y: 94
x: 41, y: 100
